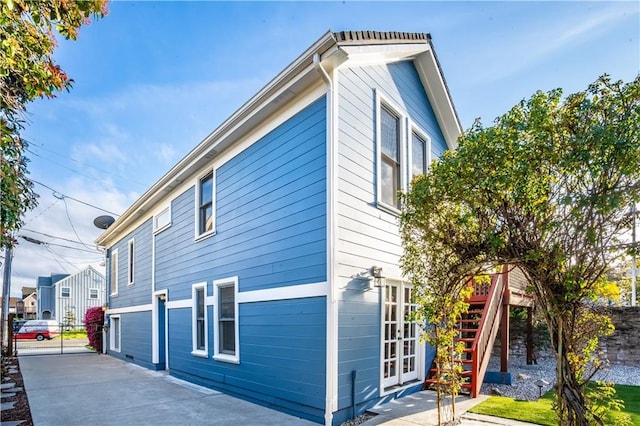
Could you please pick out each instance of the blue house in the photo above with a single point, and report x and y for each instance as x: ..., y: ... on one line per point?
x: 265, y: 264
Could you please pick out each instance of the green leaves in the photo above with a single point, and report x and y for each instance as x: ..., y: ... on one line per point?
x: 27, y: 72
x: 546, y: 188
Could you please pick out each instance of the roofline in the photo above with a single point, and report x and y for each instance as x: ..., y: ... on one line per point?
x: 253, y: 104
x: 302, y: 65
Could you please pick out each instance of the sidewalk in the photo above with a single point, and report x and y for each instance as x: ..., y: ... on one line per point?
x: 90, y: 389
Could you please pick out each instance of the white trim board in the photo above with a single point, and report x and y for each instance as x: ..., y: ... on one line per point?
x: 130, y: 309
x: 283, y: 293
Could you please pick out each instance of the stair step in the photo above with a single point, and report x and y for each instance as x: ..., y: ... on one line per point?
x: 464, y: 339
x: 463, y: 373
x: 467, y: 330
x: 468, y: 320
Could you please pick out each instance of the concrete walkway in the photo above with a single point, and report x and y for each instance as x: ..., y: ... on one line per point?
x: 99, y: 390
x: 91, y: 389
x: 420, y: 409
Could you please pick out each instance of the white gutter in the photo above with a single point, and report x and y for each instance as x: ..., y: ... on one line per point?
x: 331, y: 366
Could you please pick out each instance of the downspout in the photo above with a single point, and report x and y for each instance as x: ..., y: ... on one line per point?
x: 332, y: 313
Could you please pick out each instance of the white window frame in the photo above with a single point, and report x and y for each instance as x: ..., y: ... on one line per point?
x: 162, y: 220
x: 114, y: 272
x: 62, y: 292
x: 217, y: 355
x: 198, y: 235
x: 91, y: 292
x: 112, y: 333
x: 383, y: 101
x: 413, y: 128
x: 131, y: 261
x: 194, y: 321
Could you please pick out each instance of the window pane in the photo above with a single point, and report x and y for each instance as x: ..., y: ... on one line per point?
x: 227, y: 337
x: 418, y: 151
x: 200, y: 326
x: 200, y: 302
x: 163, y: 218
x: 206, y: 189
x: 388, y: 183
x: 389, y: 128
x: 206, y: 218
x: 227, y: 305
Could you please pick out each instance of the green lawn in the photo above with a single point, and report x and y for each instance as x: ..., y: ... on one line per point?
x: 540, y: 412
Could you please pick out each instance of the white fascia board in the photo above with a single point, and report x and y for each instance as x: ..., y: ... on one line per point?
x: 438, y: 95
x: 205, y: 151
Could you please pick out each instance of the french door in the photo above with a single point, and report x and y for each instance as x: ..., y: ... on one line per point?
x: 399, y: 336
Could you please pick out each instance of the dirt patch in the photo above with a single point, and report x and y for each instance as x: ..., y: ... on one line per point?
x: 20, y: 411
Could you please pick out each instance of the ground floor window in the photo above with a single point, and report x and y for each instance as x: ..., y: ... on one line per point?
x: 226, y: 320
x: 199, y: 319
x: 115, y: 334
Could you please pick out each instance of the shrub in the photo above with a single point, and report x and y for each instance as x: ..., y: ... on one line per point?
x: 94, y: 321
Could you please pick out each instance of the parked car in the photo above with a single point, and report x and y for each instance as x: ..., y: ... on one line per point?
x: 39, y: 330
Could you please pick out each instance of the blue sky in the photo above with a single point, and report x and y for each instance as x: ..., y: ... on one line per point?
x: 152, y: 79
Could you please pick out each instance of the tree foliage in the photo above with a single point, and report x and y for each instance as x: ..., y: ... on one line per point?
x: 546, y: 188
x: 28, y: 71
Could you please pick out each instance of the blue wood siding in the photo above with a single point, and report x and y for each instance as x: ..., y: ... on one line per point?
x: 135, y: 340
x: 282, y: 355
x: 140, y: 292
x: 270, y: 215
x: 367, y: 235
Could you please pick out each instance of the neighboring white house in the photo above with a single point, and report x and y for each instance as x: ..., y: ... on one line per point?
x: 71, y: 296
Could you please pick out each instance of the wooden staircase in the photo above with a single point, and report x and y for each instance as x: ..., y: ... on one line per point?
x: 477, y: 329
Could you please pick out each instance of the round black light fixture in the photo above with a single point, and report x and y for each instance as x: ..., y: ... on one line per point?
x: 103, y: 222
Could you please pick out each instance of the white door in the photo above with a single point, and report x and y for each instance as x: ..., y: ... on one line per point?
x: 399, y: 336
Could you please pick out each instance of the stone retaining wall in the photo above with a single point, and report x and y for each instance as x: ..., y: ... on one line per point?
x: 622, y: 347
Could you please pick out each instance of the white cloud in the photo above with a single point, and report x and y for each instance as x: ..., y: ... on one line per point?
x: 165, y: 153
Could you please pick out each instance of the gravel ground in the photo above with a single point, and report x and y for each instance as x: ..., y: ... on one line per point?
x: 523, y: 377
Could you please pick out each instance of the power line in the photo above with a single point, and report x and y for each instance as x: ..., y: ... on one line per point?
x: 52, y: 236
x: 66, y: 209
x: 38, y: 242
x: 63, y: 166
x: 41, y: 146
x: 74, y: 199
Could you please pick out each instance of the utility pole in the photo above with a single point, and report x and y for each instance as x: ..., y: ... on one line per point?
x: 6, y: 295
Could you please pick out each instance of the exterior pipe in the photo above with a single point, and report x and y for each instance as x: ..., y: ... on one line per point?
x: 353, y: 394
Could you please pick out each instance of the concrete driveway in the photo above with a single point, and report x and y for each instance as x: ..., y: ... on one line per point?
x: 91, y: 389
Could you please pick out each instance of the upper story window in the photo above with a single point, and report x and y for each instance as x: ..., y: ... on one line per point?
x: 205, y: 204
x: 114, y: 272
x: 419, y: 154
x: 162, y: 220
x: 199, y: 319
x: 403, y: 153
x: 226, y: 320
x: 93, y: 293
x: 65, y: 292
x: 131, y: 258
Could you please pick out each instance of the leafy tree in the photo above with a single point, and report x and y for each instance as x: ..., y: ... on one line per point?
x: 69, y: 319
x: 28, y: 71
x: 547, y: 188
